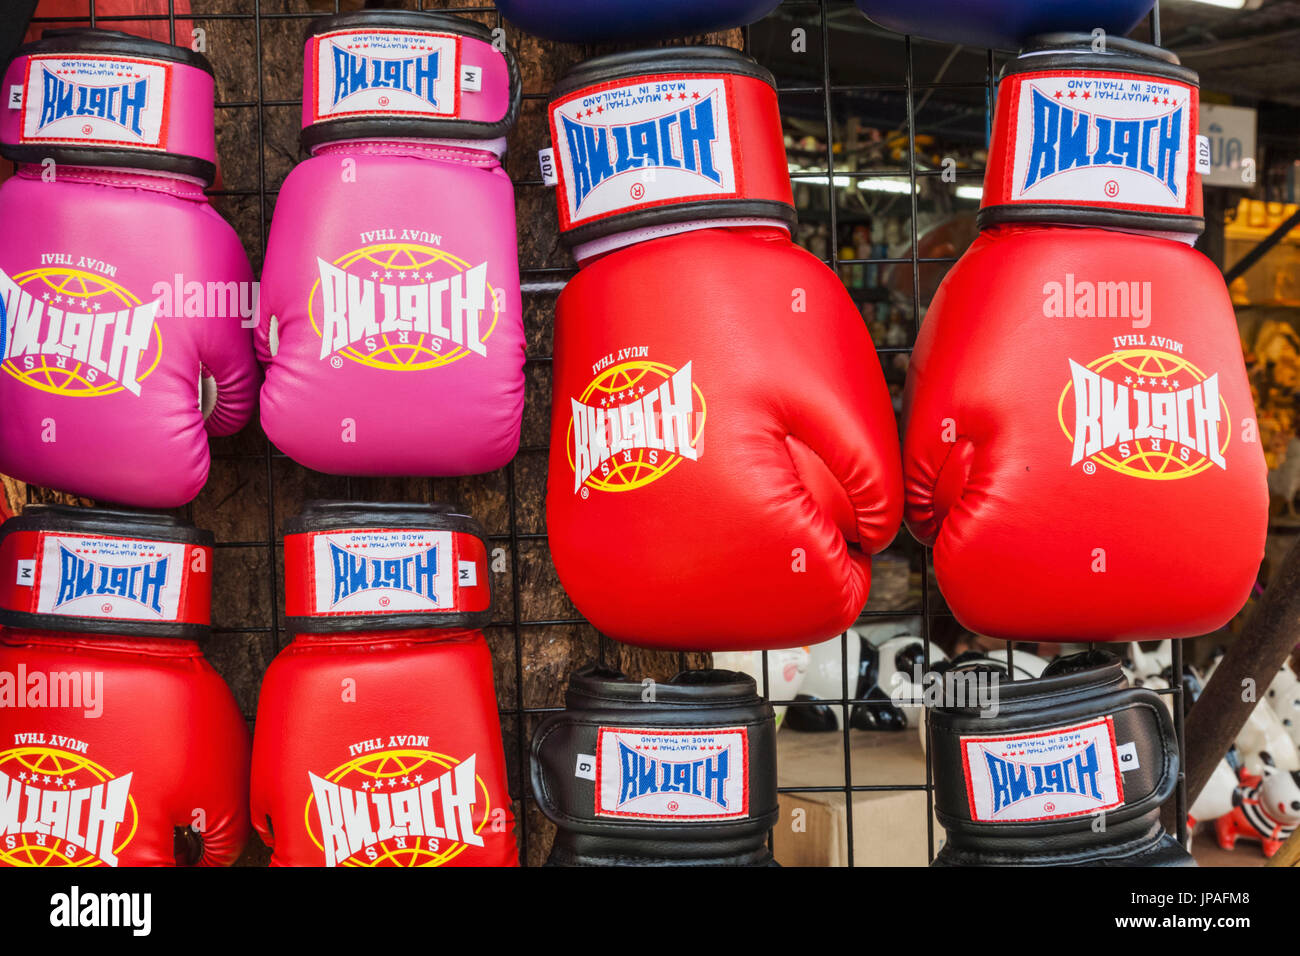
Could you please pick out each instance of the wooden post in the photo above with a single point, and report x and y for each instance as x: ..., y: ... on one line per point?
x: 1270, y: 635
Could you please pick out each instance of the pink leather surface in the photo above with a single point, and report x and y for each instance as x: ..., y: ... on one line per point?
x: 395, y: 408
x: 148, y: 449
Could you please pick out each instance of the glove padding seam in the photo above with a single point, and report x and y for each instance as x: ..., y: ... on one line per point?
x: 464, y: 155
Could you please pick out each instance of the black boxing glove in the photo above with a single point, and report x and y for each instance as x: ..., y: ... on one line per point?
x: 675, y: 774
x: 1069, y: 769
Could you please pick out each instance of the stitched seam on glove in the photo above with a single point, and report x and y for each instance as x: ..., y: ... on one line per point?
x: 181, y: 188
x: 472, y: 157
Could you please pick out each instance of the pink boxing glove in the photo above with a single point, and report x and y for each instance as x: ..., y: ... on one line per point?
x: 389, y: 321
x: 127, y: 300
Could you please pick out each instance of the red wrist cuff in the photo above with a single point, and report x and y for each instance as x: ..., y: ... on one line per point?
x: 356, y: 566
x: 106, y: 572
x: 654, y: 137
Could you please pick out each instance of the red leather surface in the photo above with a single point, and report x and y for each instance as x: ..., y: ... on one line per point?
x: 764, y: 540
x: 1017, y: 529
x: 166, y: 718
x: 324, y: 697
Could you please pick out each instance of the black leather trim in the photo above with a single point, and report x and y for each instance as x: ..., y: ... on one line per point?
x: 1073, y: 51
x: 1087, y: 216
x: 634, y: 63
x: 704, y: 210
x: 88, y: 40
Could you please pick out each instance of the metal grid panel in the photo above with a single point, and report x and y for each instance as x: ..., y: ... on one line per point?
x: 547, y: 281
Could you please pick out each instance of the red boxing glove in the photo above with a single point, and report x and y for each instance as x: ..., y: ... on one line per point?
x: 724, y: 457
x: 100, y: 727
x: 377, y: 739
x: 1081, y: 447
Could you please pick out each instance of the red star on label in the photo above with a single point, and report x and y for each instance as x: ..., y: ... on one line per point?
x: 589, y: 111
x: 1059, y: 94
x: 1071, y: 94
x: 668, y: 97
x: 600, y: 109
x: 697, y: 96
x: 1086, y: 94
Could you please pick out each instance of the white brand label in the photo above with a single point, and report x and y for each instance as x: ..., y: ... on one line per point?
x: 1204, y: 163
x: 110, y: 578
x: 379, y: 572
x: 1045, y: 775
x: 661, y: 774
x: 546, y: 162
x: 95, y: 100
x: 405, y: 73
x: 643, y: 143
x: 1103, y: 139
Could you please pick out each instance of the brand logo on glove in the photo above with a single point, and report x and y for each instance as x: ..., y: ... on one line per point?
x: 682, y: 139
x: 1107, y: 139
x: 416, y: 76
x: 107, y: 578
x: 642, y: 775
x: 635, y: 423
x: 355, y: 573
x: 384, y: 72
x: 402, y: 306
x: 59, y: 808
x: 85, y: 100
x: 397, y: 807
x: 655, y: 774
x: 1145, y: 412
x: 1066, y: 139
x: 1063, y: 772
x: 140, y: 584
x: 76, y: 333
x: 643, y: 143
x: 122, y: 104
x: 381, y: 571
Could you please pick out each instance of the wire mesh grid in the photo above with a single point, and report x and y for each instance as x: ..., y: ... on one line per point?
x: 545, y: 282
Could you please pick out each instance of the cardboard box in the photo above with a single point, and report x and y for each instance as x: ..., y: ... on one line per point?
x: 888, y: 826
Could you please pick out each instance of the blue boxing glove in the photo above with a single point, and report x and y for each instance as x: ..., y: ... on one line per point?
x: 612, y: 21
x: 1002, y: 24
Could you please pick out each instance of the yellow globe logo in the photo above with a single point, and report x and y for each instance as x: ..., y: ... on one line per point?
x: 48, y: 769
x: 391, y: 770
x: 397, y: 264
x: 74, y: 290
x: 1155, y: 371
x: 632, y: 468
